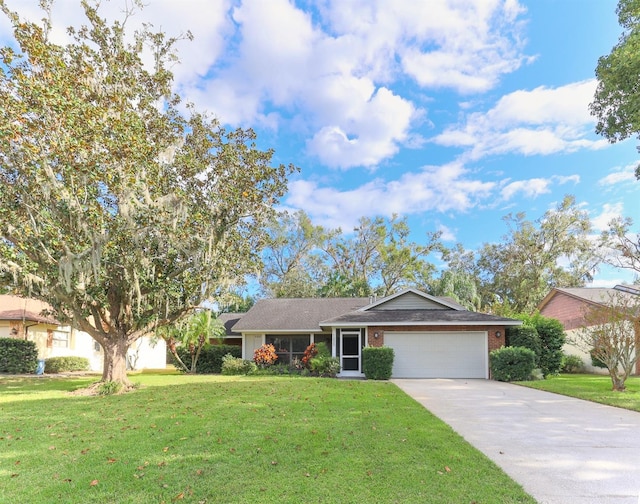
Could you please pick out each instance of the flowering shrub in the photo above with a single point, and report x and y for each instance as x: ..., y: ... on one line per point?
x: 309, y: 354
x: 265, y: 355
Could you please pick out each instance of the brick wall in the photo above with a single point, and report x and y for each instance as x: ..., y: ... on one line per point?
x: 566, y: 309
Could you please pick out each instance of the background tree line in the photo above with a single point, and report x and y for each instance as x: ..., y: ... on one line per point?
x: 558, y: 249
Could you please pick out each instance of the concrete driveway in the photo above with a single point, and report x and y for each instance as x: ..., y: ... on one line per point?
x: 561, y: 450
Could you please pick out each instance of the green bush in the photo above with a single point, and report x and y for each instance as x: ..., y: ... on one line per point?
x: 109, y: 388
x: 552, y: 339
x: 572, y: 364
x: 324, y: 365
x: 526, y: 337
x: 18, y: 356
x: 377, y: 362
x: 279, y: 370
x: 65, y: 364
x: 237, y: 366
x: 210, y: 360
x: 512, y: 363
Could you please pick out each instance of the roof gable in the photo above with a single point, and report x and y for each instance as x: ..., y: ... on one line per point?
x: 590, y: 295
x: 412, y: 299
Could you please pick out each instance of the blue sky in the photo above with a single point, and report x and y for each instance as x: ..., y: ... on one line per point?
x: 450, y: 113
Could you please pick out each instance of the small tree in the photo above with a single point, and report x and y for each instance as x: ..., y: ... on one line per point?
x: 611, y: 332
x: 552, y: 339
x: 193, y: 334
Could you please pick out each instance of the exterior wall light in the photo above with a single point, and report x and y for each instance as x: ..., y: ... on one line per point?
x: 376, y: 335
x: 498, y: 334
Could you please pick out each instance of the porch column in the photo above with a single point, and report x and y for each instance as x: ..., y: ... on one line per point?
x: 333, y: 342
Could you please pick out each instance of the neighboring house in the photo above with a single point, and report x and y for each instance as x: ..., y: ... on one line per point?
x: 569, y: 305
x: 25, y: 318
x: 229, y: 320
x: 431, y: 337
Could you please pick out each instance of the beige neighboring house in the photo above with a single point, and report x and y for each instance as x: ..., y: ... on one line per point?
x: 25, y: 318
x: 568, y: 305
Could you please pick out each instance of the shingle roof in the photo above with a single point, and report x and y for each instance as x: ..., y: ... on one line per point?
x: 599, y: 295
x: 229, y: 320
x: 419, y: 317
x: 18, y: 308
x: 312, y: 314
x: 286, y: 314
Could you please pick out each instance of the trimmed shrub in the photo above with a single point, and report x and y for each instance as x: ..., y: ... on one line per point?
x: 526, y: 337
x: 65, y: 364
x: 18, y: 356
x: 210, y: 359
x: 572, y: 364
x: 512, y: 363
x: 377, y: 362
x: 237, y: 366
x: 552, y: 338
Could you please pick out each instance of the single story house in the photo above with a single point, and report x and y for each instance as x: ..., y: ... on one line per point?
x: 27, y: 319
x: 568, y: 305
x: 432, y: 337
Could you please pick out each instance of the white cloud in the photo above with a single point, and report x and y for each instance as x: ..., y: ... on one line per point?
x: 529, y: 188
x: 372, y: 132
x: 542, y: 121
x: 448, y: 235
x: 326, y: 69
x: 609, y: 212
x: 619, y: 176
x: 435, y: 188
x: 466, y: 46
x: 532, y: 188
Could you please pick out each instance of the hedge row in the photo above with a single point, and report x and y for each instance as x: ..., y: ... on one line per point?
x: 65, y: 364
x: 210, y: 360
x: 18, y: 356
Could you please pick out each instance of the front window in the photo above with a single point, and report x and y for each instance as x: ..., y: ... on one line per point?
x: 60, y: 339
x: 289, y: 348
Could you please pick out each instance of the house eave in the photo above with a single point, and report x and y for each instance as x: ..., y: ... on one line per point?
x: 431, y: 323
x: 283, y: 331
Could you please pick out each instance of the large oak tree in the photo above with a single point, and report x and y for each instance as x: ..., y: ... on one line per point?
x: 553, y: 251
x: 616, y: 104
x: 119, y: 206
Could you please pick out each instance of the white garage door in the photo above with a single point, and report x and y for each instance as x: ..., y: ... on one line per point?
x: 438, y: 354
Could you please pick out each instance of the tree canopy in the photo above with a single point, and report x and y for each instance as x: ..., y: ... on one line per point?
x: 553, y: 251
x: 121, y: 207
x: 378, y: 257
x: 616, y: 103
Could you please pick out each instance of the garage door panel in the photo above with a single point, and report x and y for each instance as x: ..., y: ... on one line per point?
x: 438, y: 355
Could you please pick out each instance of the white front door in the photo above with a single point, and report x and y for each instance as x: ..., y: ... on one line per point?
x: 350, y: 352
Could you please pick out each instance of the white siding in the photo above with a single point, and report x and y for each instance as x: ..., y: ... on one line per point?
x: 251, y: 344
x: 439, y: 354
x: 571, y: 349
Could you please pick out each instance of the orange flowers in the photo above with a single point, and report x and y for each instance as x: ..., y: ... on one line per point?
x: 265, y: 355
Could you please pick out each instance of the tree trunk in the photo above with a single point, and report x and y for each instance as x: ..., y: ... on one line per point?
x: 115, y: 361
x: 617, y: 382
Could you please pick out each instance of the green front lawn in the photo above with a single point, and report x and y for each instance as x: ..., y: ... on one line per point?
x: 212, y: 439
x: 596, y: 388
